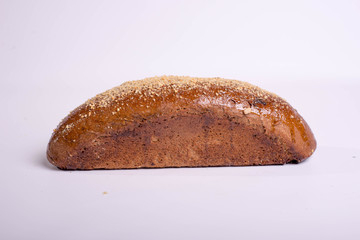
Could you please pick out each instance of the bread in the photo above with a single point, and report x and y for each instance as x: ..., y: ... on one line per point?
x: 175, y: 121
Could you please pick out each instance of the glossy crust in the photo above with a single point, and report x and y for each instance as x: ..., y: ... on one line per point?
x: 175, y: 121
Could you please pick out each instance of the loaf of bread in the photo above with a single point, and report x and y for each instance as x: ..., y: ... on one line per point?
x: 172, y: 121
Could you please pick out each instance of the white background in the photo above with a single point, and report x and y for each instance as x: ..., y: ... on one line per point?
x: 54, y: 55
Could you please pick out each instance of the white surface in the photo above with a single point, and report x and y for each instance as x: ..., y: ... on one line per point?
x: 56, y: 54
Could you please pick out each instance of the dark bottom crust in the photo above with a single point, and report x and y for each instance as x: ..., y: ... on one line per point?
x: 215, y: 166
x: 182, y: 141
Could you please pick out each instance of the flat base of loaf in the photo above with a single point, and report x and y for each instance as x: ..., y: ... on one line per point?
x: 177, y: 167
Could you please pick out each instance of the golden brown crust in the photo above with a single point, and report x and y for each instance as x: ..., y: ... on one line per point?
x: 174, y: 121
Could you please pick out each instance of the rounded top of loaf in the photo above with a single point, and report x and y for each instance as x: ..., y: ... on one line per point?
x: 155, y: 86
x: 140, y: 99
